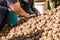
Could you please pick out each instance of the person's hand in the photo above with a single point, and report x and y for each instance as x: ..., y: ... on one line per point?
x: 28, y: 16
x: 33, y: 15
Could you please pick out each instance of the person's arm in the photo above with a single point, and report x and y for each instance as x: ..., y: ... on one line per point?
x: 17, y: 9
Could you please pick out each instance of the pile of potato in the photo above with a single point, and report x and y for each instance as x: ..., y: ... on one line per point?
x: 45, y: 26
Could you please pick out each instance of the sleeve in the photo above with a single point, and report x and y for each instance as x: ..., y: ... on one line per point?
x: 10, y: 1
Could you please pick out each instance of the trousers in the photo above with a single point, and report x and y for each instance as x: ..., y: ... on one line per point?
x: 3, y: 11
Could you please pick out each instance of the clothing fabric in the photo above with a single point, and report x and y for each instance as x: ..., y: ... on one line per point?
x: 3, y: 2
x: 3, y: 10
x: 10, y: 1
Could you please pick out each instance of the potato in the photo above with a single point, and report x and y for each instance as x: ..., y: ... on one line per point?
x: 45, y: 37
x: 49, y: 39
x: 41, y: 39
x: 25, y: 33
x: 50, y: 13
x: 54, y: 10
x: 50, y: 34
x: 3, y: 38
x: 45, y: 33
x: 54, y: 31
x: 57, y: 39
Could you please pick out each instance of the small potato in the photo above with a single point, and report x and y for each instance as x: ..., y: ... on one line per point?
x: 35, y: 30
x: 50, y: 13
x: 42, y: 17
x: 38, y: 28
x: 47, y: 28
x: 37, y: 20
x: 28, y: 32
x: 25, y: 33
x: 50, y: 34
x: 57, y: 39
x: 9, y: 36
x: 58, y: 9
x: 54, y: 31
x: 3, y: 38
x: 54, y: 10
x: 55, y: 25
x: 45, y: 37
x: 45, y: 34
x: 49, y: 39
x: 46, y: 18
x: 47, y: 11
x: 20, y: 33
x: 41, y: 38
